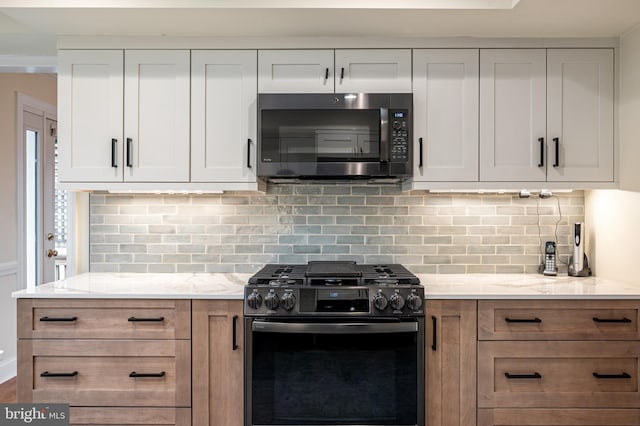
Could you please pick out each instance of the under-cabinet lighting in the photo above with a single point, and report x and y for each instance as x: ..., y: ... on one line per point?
x: 165, y: 192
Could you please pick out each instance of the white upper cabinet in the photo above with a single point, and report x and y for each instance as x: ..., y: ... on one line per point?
x: 124, y: 116
x: 156, y: 125
x: 295, y: 71
x: 445, y: 101
x: 354, y: 71
x: 223, y: 115
x: 580, y: 92
x: 373, y: 71
x: 512, y: 115
x: 90, y: 105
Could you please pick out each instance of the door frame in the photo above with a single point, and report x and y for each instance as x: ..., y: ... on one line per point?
x: 35, y: 106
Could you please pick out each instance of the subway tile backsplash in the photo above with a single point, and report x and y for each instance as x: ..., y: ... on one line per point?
x: 240, y: 232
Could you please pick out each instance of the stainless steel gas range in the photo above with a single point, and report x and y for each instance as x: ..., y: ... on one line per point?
x: 334, y: 343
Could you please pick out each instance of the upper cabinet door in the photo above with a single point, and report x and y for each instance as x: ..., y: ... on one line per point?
x: 580, y: 115
x: 373, y: 71
x: 295, y: 71
x: 157, y: 115
x: 445, y: 101
x: 90, y: 143
x: 223, y: 115
x: 512, y: 115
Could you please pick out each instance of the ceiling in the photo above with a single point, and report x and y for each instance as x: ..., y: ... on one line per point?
x: 28, y: 31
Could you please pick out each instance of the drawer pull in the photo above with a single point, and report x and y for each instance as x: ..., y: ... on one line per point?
x: 523, y: 320
x: 135, y: 375
x: 59, y: 319
x: 47, y: 374
x: 523, y: 376
x: 612, y: 376
x: 136, y: 319
x: 626, y: 320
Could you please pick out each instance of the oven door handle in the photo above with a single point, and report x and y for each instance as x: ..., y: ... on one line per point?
x: 333, y: 328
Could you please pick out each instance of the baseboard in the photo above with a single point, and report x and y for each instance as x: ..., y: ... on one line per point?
x: 8, y: 369
x: 8, y: 268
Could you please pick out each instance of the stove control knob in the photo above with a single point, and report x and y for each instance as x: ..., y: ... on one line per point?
x: 414, y: 302
x: 396, y: 301
x: 271, y: 301
x: 254, y: 300
x: 288, y: 301
x: 380, y: 301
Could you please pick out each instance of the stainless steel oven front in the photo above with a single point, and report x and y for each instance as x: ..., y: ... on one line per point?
x: 339, y: 370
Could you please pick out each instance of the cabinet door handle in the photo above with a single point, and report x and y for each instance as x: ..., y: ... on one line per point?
x: 612, y: 376
x: 135, y: 375
x: 523, y: 376
x: 326, y: 74
x: 249, y: 153
x: 341, y: 74
x: 523, y: 320
x: 48, y: 374
x: 434, y: 324
x: 541, y: 163
x: 136, y: 319
x: 114, y: 152
x: 58, y: 319
x: 556, y: 141
x: 129, y: 152
x: 234, y: 342
x: 611, y: 320
x: 421, y: 152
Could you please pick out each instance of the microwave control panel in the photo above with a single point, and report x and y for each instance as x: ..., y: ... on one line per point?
x: 399, y: 146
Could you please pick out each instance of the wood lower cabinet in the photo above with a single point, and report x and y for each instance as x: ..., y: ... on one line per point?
x: 450, y: 355
x: 113, y: 361
x: 558, y: 362
x: 557, y: 417
x: 218, y: 363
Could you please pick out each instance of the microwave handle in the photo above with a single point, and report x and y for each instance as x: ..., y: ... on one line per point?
x: 384, y: 134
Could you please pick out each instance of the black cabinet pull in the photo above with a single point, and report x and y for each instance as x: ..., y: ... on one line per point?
x: 434, y: 324
x: 136, y: 319
x: 114, y: 152
x: 611, y: 320
x: 556, y: 141
x: 234, y: 342
x: 523, y: 320
x: 326, y: 74
x: 248, y: 153
x: 58, y: 319
x: 341, y: 73
x: 523, y: 376
x: 129, y: 152
x: 420, y: 149
x: 612, y: 376
x: 47, y: 374
x: 136, y: 375
x: 541, y: 163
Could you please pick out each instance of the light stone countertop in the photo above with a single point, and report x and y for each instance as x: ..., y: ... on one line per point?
x: 230, y: 286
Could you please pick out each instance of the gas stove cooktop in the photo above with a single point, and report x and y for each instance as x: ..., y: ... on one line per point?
x: 334, y: 288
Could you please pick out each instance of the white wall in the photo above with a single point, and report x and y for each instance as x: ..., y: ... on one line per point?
x: 612, y: 217
x: 41, y: 87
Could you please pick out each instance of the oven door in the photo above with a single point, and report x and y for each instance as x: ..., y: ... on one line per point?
x: 338, y: 372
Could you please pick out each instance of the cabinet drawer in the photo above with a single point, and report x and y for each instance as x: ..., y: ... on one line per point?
x: 558, y: 320
x: 103, y: 319
x: 98, y: 416
x: 105, y: 373
x: 558, y: 374
x: 564, y: 417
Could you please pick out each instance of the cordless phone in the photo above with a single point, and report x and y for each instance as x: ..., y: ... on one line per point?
x: 550, y: 267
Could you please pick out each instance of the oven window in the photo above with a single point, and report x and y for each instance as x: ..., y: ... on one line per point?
x: 335, y: 379
x: 312, y: 136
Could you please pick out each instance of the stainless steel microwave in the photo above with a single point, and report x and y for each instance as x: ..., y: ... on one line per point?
x: 335, y: 136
